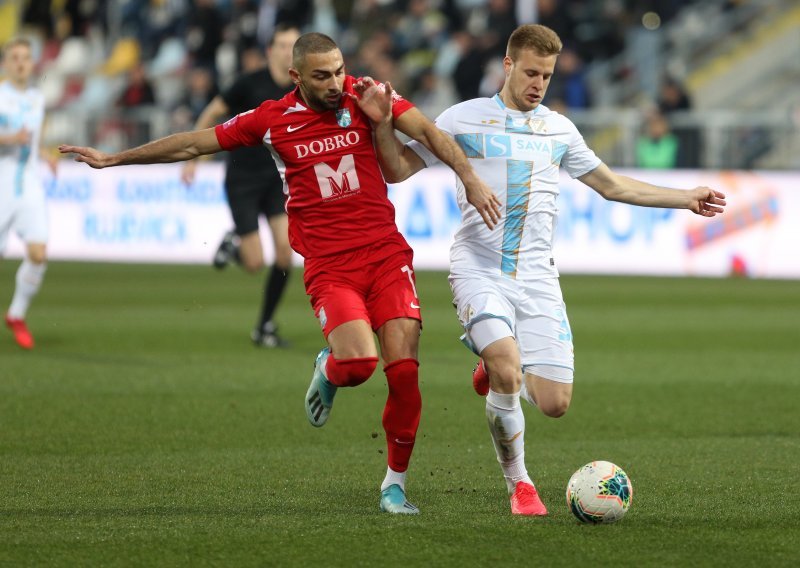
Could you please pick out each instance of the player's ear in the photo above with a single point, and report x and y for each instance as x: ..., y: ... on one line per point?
x: 295, y: 75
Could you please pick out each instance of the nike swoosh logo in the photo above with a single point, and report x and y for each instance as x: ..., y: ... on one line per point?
x: 414, y: 306
x: 292, y: 128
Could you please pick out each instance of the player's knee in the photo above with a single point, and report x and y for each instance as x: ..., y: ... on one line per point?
x: 37, y: 255
x: 358, y: 371
x: 283, y: 256
x: 504, y: 377
x: 555, y: 407
x: 252, y: 265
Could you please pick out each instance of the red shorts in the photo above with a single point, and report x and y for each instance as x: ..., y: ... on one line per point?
x: 374, y: 284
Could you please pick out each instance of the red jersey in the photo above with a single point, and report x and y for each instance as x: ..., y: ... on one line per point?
x: 337, y: 197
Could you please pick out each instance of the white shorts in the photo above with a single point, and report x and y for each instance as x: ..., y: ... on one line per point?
x: 24, y: 213
x: 534, y: 311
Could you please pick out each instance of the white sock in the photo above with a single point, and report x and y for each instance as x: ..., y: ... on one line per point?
x: 29, y: 280
x: 507, y: 426
x: 394, y: 478
x: 524, y: 393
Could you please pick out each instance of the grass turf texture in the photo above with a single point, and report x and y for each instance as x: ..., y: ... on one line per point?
x: 145, y: 429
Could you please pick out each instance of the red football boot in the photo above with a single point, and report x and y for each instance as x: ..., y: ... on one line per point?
x: 480, y: 379
x: 525, y: 501
x: 21, y: 332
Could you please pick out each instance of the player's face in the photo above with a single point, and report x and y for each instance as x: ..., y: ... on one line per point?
x: 527, y: 79
x: 18, y: 64
x: 281, y: 49
x: 321, y: 78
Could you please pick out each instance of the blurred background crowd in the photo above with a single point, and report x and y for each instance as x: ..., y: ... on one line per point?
x: 650, y: 83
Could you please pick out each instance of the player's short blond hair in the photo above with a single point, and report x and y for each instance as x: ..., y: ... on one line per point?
x: 535, y: 37
x: 14, y: 42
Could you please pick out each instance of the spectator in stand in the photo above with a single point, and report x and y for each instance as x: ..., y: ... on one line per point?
x: 200, y: 90
x: 204, y: 33
x: 138, y: 94
x: 673, y: 98
x: 657, y: 148
x: 138, y: 91
x: 568, y: 84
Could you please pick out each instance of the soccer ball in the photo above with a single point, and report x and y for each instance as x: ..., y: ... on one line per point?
x: 599, y: 492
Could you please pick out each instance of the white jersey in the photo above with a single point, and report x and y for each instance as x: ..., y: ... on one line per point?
x: 19, y: 165
x: 22, y: 197
x: 518, y: 155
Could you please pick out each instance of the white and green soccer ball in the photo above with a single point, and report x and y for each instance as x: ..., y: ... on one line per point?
x: 599, y: 492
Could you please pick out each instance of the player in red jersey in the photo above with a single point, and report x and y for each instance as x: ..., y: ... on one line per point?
x: 358, y: 267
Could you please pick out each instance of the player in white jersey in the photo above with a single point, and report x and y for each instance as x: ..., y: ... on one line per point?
x: 22, y: 196
x: 505, y: 281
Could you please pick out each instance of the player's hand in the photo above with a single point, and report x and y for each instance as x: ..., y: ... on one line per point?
x: 707, y: 202
x: 188, y: 172
x: 21, y: 137
x: 94, y: 158
x: 375, y: 102
x: 482, y: 198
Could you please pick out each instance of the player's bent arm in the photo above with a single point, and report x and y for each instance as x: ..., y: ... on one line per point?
x: 212, y: 114
x: 172, y: 148
x: 616, y: 187
x: 398, y: 162
x: 415, y: 125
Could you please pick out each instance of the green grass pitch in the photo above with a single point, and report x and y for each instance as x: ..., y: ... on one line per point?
x: 145, y: 430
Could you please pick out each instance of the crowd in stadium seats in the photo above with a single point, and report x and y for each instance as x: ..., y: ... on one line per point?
x: 175, y: 54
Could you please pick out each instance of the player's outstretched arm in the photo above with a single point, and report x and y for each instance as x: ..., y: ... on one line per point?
x: 615, y: 187
x: 415, y: 125
x: 172, y: 148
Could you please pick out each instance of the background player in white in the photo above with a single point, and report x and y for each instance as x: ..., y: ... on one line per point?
x: 505, y: 281
x: 22, y: 196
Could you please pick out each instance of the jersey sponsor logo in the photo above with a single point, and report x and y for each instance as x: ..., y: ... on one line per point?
x: 343, y: 118
x: 329, y: 144
x: 292, y: 128
x: 497, y: 145
x: 340, y: 182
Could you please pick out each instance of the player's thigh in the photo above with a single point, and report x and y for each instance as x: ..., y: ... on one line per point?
x: 543, y: 332
x: 30, y: 223
x: 478, y: 299
x: 352, y: 339
x: 392, y: 289
x: 6, y: 217
x: 343, y: 316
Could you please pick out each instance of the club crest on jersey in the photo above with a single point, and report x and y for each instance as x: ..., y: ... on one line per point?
x: 538, y: 125
x: 343, y: 117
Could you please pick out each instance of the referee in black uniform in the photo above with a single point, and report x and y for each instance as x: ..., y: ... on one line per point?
x: 252, y: 182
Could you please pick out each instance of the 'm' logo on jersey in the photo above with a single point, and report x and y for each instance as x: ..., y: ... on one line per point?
x: 343, y: 117
x: 338, y: 183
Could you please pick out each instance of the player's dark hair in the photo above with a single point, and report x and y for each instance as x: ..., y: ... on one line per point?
x: 535, y: 37
x: 312, y: 42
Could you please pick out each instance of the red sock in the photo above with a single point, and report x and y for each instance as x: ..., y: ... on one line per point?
x: 402, y: 412
x: 349, y: 372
